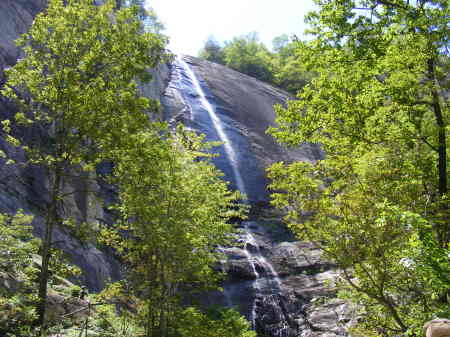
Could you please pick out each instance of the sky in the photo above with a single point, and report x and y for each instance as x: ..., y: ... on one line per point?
x: 189, y: 22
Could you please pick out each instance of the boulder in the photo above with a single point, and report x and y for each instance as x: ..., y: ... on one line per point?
x: 60, y: 307
x: 439, y: 327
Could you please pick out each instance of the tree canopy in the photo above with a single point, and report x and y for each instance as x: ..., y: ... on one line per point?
x: 78, y: 79
x: 378, y: 203
x: 175, y: 211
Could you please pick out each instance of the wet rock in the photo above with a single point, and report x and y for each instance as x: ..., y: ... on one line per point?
x: 235, y: 253
x: 15, y: 18
x: 240, y: 270
x: 293, y: 293
x: 272, y: 278
x: 245, y: 107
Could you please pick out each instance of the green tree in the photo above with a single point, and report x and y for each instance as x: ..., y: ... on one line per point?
x: 212, y: 51
x: 378, y: 203
x: 283, y: 67
x: 19, y: 269
x: 146, y: 14
x: 78, y: 80
x: 248, y: 55
x: 289, y: 71
x: 17, y: 272
x: 222, y: 323
x: 175, y: 211
x: 279, y: 43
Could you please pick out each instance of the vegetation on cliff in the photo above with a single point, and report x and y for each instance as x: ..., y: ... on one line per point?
x: 282, y: 67
x: 378, y: 203
x: 78, y: 81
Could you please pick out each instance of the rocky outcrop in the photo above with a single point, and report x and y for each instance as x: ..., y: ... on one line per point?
x: 249, y: 103
x: 301, y: 302
x: 439, y: 327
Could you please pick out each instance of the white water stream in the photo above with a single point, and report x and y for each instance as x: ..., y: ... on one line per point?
x: 231, y: 154
x: 251, y: 247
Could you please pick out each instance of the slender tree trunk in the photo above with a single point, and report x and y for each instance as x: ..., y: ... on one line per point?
x: 442, y: 152
x: 52, y: 218
x: 164, y: 301
x: 150, y: 318
x: 442, y: 148
x: 153, y: 288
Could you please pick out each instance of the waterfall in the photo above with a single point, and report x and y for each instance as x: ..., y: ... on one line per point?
x: 231, y: 154
x: 267, y: 282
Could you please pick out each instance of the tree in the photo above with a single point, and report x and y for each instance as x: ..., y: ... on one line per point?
x: 221, y: 323
x: 146, y: 14
x: 283, y: 68
x: 17, y: 247
x: 244, y: 54
x: 212, y: 51
x: 289, y: 71
x: 378, y: 203
x: 175, y: 211
x: 78, y: 80
x: 279, y: 43
x: 248, y: 55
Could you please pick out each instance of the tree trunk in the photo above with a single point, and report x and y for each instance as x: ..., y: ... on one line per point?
x: 163, y: 301
x: 52, y: 218
x: 442, y: 153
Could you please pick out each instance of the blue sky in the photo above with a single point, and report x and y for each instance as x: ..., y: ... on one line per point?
x: 190, y: 22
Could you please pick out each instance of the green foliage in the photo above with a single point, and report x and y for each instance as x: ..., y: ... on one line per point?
x: 147, y: 15
x: 80, y: 71
x: 289, y: 70
x: 283, y: 67
x: 378, y: 203
x: 17, y: 244
x: 249, y: 56
x: 175, y: 211
x: 78, y: 80
x: 222, y: 323
x: 17, y: 273
x: 212, y: 51
x: 244, y: 54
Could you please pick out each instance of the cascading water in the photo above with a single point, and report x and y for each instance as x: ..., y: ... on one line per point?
x: 204, y: 103
x: 266, y: 282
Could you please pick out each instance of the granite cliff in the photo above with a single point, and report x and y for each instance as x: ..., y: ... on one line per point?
x: 279, y: 283
x: 276, y: 281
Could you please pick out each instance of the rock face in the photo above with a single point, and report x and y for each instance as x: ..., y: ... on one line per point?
x: 26, y: 187
x: 277, y: 282
x: 244, y: 107
x: 15, y: 18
